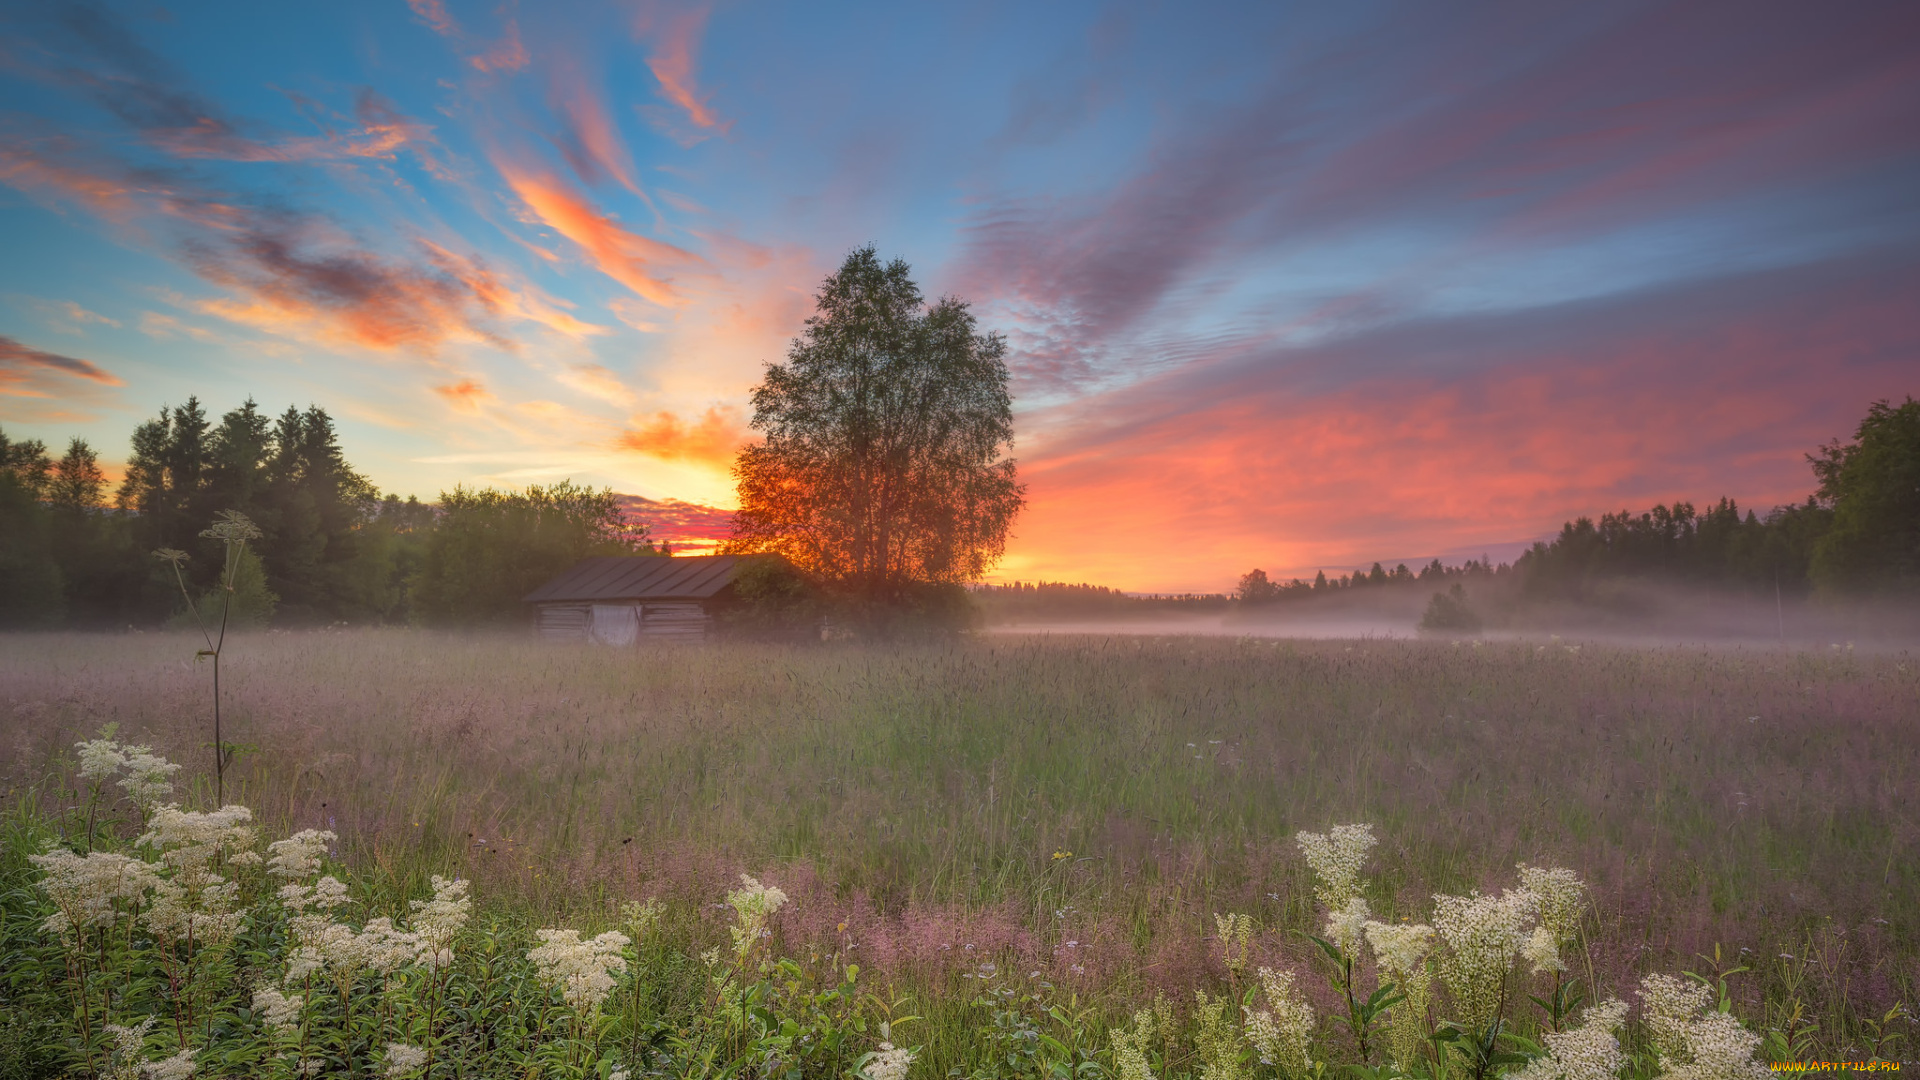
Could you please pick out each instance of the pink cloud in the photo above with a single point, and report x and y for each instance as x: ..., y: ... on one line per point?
x: 671, y: 62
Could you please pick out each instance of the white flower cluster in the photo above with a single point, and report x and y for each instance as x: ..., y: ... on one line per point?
x: 753, y: 905
x: 149, y: 777
x: 583, y: 970
x: 1563, y: 902
x: 1483, y: 935
x: 889, y: 1063
x: 1588, y: 1052
x: 1692, y: 1040
x: 1347, y: 926
x: 1402, y: 952
x: 1130, y: 1048
x: 436, y: 921
x: 86, y: 888
x: 1236, y: 934
x: 1336, y: 858
x: 299, y: 855
x: 279, y: 1011
x: 1282, y: 1033
x: 191, y: 841
x: 403, y: 1059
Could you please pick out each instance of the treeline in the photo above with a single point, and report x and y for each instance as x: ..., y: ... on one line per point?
x: 1055, y: 599
x: 1857, y: 534
x: 333, y: 548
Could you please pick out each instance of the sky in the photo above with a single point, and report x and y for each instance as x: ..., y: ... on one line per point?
x: 1295, y: 286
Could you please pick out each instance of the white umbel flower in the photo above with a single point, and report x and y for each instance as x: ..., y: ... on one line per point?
x: 1588, y: 1052
x: 178, y: 1067
x: 1130, y: 1048
x: 190, y: 841
x: 1693, y: 1040
x: 403, y: 1059
x: 149, y: 778
x: 86, y: 888
x: 1401, y: 949
x: 583, y: 970
x: 439, y: 920
x: 100, y: 759
x: 1347, y: 927
x: 1336, y: 858
x: 279, y: 1011
x: 1282, y: 1033
x: 299, y: 855
x: 889, y: 1063
x: 1483, y: 935
x: 753, y: 905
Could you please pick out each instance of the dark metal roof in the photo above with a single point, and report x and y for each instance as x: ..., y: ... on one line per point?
x: 640, y: 577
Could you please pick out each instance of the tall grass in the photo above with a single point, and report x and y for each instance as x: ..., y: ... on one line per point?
x: 1081, y: 807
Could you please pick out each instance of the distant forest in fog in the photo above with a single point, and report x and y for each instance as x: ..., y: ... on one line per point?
x: 336, y: 550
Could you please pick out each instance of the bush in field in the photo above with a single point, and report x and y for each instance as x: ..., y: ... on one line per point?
x: 1449, y: 611
x: 160, y: 942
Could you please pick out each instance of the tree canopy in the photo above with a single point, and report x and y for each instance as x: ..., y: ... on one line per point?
x: 882, y: 465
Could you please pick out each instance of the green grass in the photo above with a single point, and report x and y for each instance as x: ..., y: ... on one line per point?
x: 1757, y: 800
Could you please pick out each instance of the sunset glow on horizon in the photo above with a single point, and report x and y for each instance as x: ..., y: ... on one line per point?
x: 1289, y: 286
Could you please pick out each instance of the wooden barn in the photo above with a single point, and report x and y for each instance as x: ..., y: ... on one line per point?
x: 633, y: 599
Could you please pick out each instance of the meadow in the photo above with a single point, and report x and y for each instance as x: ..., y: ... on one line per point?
x: 1074, y: 812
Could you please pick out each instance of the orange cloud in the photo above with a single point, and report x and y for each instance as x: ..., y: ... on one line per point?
x: 672, y: 64
x: 712, y: 440
x: 624, y: 256
x: 466, y: 395
x: 111, y: 197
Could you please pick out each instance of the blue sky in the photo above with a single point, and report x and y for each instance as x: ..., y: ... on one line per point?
x: 1286, y: 285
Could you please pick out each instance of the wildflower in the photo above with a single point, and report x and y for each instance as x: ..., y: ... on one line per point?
x: 1542, y: 951
x: 403, y: 1059
x: 279, y: 1011
x: 1483, y: 934
x: 190, y: 841
x: 1235, y: 932
x: 642, y: 918
x: 889, y: 1063
x: 582, y: 969
x: 618, y: 1074
x: 1281, y: 1033
x: 149, y: 777
x: 178, y: 1067
x: 1692, y: 1040
x: 84, y: 887
x: 1668, y: 1005
x: 1216, y: 1038
x: 299, y: 855
x: 1402, y: 953
x: 1336, y: 857
x: 1347, y: 926
x: 200, y: 909
x: 1563, y: 901
x: 1588, y: 1052
x: 129, y: 1049
x: 753, y: 904
x: 100, y: 759
x: 385, y: 948
x: 1130, y: 1048
x: 438, y: 920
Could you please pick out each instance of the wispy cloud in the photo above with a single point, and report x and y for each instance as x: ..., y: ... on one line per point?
x: 675, y: 38
x: 589, y: 139
x: 23, y: 370
x: 509, y: 54
x: 638, y: 262
x: 434, y: 14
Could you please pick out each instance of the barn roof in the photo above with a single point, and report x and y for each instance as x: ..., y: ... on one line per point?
x: 640, y: 577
